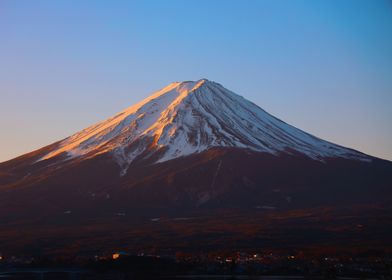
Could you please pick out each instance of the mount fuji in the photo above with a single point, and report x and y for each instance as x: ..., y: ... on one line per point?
x: 191, y: 117
x: 192, y: 158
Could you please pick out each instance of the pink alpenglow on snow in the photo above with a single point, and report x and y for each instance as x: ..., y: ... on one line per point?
x: 190, y: 117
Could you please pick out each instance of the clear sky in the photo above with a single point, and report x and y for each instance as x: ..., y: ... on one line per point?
x: 323, y: 66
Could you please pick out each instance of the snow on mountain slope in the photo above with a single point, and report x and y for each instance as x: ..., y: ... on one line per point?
x: 190, y: 117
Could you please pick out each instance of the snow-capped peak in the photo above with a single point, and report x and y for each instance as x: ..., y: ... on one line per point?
x: 190, y: 117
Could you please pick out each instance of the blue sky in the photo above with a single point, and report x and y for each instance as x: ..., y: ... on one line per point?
x: 323, y: 66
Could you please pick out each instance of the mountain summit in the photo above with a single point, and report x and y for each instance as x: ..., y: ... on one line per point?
x: 193, y: 164
x: 190, y: 117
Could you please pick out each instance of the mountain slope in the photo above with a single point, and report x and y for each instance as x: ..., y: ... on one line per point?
x: 191, y: 117
x: 197, y: 163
